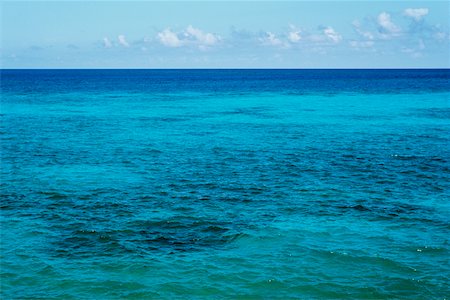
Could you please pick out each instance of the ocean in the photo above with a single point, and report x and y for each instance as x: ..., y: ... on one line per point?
x: 225, y: 184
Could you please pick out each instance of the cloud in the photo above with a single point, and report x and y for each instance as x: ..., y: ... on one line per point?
x: 241, y: 34
x: 365, y: 38
x: 414, y: 52
x: 383, y: 35
x: 270, y: 39
x: 416, y: 13
x: 123, y: 41
x: 191, y: 36
x: 107, y: 43
x: 386, y: 26
x: 366, y: 34
x: 169, y: 38
x: 331, y: 34
x: 203, y: 38
x: 242, y: 39
x: 294, y: 35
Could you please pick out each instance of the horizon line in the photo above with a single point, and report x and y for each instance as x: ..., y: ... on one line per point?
x: 168, y: 69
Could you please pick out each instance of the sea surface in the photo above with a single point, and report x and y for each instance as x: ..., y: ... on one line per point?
x: 225, y: 184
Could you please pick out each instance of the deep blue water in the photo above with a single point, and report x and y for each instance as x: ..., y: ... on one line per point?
x: 253, y: 184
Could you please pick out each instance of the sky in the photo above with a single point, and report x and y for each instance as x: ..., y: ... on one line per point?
x: 225, y: 34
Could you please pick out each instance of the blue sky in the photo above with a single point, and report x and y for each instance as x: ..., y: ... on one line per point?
x: 232, y: 34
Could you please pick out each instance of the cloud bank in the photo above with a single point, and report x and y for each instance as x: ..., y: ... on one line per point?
x: 385, y: 32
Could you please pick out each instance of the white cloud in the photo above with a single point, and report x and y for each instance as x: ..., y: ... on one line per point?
x: 203, y: 38
x: 366, y: 34
x: 169, y: 38
x: 123, y: 41
x: 386, y: 25
x: 270, y: 39
x: 332, y: 35
x: 107, y: 43
x: 416, y: 13
x: 294, y: 35
x: 189, y: 37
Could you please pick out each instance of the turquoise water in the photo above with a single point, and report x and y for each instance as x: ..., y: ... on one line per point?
x: 269, y: 184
